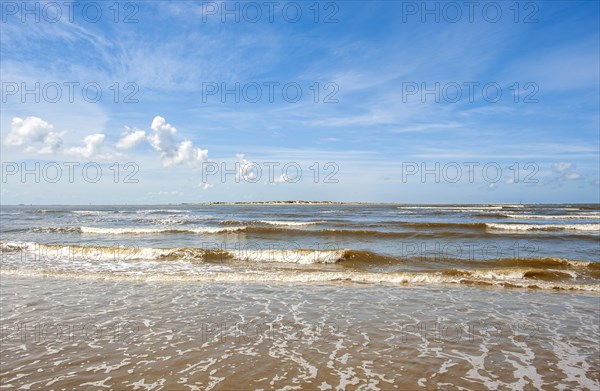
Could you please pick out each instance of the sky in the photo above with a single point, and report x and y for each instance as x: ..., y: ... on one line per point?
x: 380, y: 101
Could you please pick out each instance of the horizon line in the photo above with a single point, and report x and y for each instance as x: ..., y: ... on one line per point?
x: 302, y: 202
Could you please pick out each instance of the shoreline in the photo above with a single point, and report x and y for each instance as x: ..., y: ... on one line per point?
x: 147, y: 281
x: 302, y: 202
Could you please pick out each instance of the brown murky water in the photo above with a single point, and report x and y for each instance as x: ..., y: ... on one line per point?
x: 102, y: 334
x: 312, y: 297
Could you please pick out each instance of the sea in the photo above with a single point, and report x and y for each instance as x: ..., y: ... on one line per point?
x: 294, y: 296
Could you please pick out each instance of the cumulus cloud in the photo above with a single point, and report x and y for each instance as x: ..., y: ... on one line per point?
x: 38, y: 136
x: 281, y: 178
x: 27, y: 130
x: 185, y: 153
x: 162, y: 139
x: 93, y: 147
x: 130, y: 139
x: 566, y: 171
x: 561, y: 167
x: 246, y: 169
x: 52, y: 143
x: 572, y: 175
x: 35, y: 134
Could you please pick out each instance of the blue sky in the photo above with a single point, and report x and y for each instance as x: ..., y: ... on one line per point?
x: 371, y: 130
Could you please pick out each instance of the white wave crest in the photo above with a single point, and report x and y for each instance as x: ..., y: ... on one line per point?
x: 288, y: 223
x: 130, y: 230
x: 98, y: 253
x: 303, y: 277
x: 545, y: 227
x: 584, y: 216
x: 304, y: 257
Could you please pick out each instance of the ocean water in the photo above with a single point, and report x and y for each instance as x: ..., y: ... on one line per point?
x: 319, y: 296
x: 545, y: 247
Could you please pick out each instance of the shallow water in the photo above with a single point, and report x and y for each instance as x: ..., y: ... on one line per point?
x: 300, y: 297
x: 73, y: 334
x: 531, y: 246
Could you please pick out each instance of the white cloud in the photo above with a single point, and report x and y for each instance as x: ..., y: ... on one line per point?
x: 36, y: 135
x: 562, y: 166
x: 205, y: 186
x: 162, y: 138
x: 373, y: 117
x: 131, y: 139
x: 34, y: 130
x: 177, y: 193
x: 423, y: 127
x: 566, y: 171
x: 92, y: 148
x: 27, y: 130
x: 281, y: 178
x: 185, y: 154
x: 171, y: 154
x: 246, y: 169
x: 52, y: 143
x: 572, y: 175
